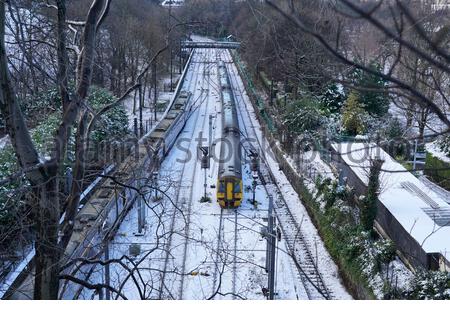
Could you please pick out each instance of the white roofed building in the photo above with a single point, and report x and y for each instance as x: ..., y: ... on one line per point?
x: 411, y: 214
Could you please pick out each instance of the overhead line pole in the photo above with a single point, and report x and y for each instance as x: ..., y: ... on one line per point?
x: 271, y: 240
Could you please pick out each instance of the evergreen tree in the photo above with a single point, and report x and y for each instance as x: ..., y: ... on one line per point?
x: 353, y: 115
x: 444, y: 144
x: 395, y: 129
x: 303, y: 115
x: 373, y: 91
x: 369, y: 210
x: 332, y: 100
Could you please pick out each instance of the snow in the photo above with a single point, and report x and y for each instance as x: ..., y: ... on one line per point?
x: 194, y: 250
x: 198, y: 264
x: 326, y: 265
x: 12, y: 276
x: 4, y: 141
x: 405, y: 206
x: 434, y: 149
x: 172, y: 3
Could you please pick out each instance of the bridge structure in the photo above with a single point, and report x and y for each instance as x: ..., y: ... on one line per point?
x: 211, y: 44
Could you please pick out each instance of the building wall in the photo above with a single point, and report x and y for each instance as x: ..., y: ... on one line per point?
x: 388, y: 225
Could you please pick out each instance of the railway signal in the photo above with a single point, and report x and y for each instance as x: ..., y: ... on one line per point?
x: 205, y: 164
x: 254, y: 167
x: 155, y: 183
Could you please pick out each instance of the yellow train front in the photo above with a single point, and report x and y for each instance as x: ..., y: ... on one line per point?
x: 229, y: 184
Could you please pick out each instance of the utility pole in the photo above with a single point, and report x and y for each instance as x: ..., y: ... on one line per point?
x: 171, y: 70
x: 141, y: 107
x: 155, y: 95
x: 271, y: 246
x: 415, y: 154
x: 181, y: 59
x: 170, y: 44
x: 135, y: 126
x: 210, y: 133
x: 271, y: 92
x: 141, y: 212
x: 155, y: 183
x: 107, y: 272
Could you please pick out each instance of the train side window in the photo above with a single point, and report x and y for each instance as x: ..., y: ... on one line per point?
x: 237, y: 187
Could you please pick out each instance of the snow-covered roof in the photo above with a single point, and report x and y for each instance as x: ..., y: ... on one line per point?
x: 421, y: 212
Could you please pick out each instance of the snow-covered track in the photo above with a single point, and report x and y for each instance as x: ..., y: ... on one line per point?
x: 219, y: 249
x: 176, y: 250
x: 207, y: 91
x: 298, y: 248
x: 178, y: 197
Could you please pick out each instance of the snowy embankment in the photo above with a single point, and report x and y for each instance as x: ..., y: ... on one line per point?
x: 436, y: 151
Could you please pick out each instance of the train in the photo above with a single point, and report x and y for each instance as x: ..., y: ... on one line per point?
x: 163, y: 137
x: 229, y: 181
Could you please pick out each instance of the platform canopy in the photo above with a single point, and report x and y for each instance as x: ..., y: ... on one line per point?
x: 211, y: 44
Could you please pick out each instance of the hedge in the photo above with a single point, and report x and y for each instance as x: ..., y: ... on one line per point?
x: 438, y: 171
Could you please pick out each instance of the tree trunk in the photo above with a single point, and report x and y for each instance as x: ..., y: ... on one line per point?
x: 48, y: 253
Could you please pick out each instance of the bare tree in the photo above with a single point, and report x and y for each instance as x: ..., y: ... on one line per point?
x: 434, y: 53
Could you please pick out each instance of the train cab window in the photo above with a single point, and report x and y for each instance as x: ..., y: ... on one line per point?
x: 237, y: 187
x: 221, y: 187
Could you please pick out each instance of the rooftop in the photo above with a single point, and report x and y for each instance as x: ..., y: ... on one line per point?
x: 421, y: 212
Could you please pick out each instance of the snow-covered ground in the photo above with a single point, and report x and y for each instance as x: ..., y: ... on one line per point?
x: 189, y: 249
x: 194, y: 250
x: 434, y: 149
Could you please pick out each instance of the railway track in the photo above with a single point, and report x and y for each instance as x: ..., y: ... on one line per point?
x: 184, y: 194
x: 234, y: 280
x: 206, y: 78
x: 163, y: 288
x: 219, y: 249
x: 298, y: 247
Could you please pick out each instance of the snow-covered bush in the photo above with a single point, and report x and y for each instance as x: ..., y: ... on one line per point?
x: 385, y: 250
x: 430, y: 285
x: 303, y: 115
x: 39, y: 106
x: 394, y: 129
x: 332, y: 99
x: 333, y: 126
x: 114, y: 123
x: 444, y: 144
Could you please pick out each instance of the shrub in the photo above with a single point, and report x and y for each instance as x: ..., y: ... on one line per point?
x: 395, y: 129
x: 114, y: 123
x: 430, y: 285
x: 444, y: 144
x: 353, y: 115
x: 332, y: 100
x: 373, y: 94
x: 303, y: 115
x: 438, y: 171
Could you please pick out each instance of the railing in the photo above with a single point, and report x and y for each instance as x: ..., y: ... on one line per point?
x: 252, y: 92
